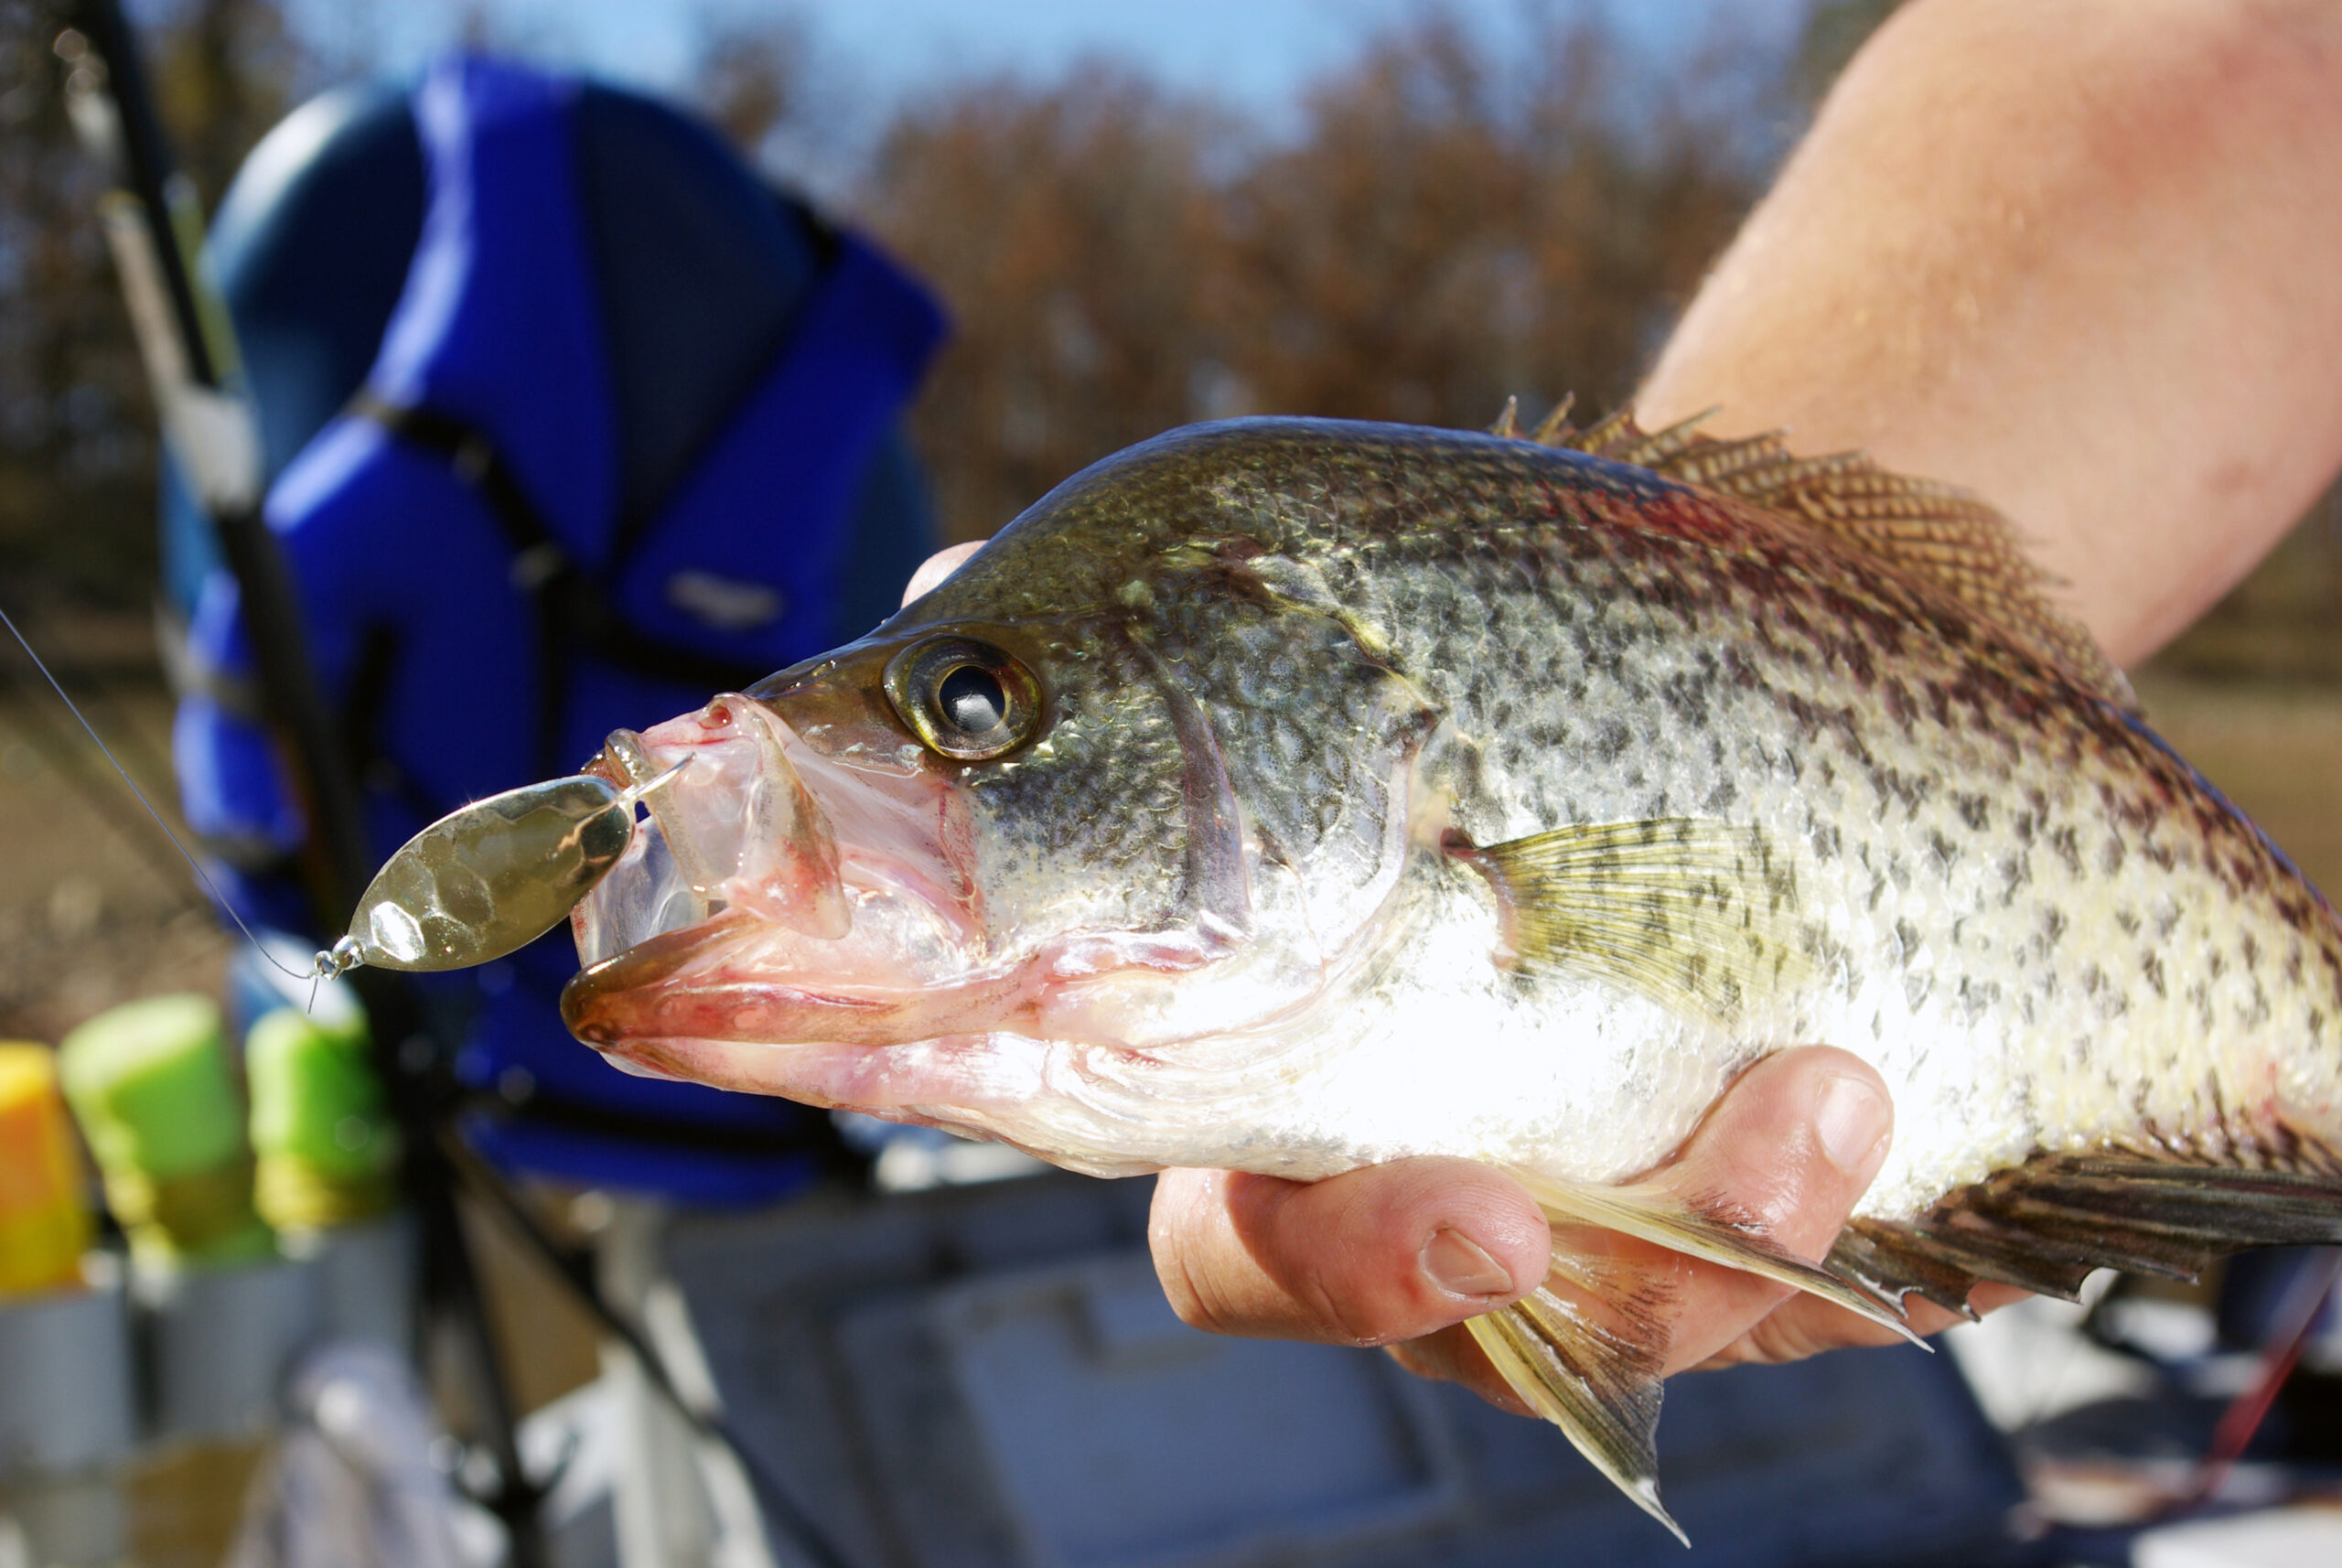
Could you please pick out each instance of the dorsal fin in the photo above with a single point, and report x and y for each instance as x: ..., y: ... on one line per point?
x: 1936, y: 533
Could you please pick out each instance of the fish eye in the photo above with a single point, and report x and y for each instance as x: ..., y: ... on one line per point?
x: 972, y: 701
x: 963, y: 698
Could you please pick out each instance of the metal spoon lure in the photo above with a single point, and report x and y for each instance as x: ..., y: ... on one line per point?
x: 491, y: 877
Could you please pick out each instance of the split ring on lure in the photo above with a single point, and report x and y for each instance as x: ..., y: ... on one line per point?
x: 490, y: 878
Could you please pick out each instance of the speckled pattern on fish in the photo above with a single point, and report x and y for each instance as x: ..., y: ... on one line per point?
x: 1290, y: 796
x: 2042, y: 925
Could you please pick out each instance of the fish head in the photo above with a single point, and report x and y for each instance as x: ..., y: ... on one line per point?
x: 1114, y: 793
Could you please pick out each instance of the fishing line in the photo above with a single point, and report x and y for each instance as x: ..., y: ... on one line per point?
x: 130, y: 742
x: 132, y: 785
x: 57, y: 746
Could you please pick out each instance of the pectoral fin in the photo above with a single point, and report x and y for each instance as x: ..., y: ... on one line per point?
x: 1700, y: 916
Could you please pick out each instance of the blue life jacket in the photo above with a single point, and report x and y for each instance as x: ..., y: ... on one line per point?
x: 629, y: 437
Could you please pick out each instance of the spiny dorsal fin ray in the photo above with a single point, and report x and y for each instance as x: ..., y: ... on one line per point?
x: 1934, y: 531
x: 1548, y: 429
x: 2046, y: 1224
x: 1657, y: 450
x: 1605, y: 435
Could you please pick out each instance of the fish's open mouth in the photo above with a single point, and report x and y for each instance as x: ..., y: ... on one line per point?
x: 762, y: 863
x: 800, y: 914
x: 732, y: 824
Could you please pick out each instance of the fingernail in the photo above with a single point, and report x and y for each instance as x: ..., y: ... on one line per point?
x: 1851, y: 1122
x: 1459, y: 1265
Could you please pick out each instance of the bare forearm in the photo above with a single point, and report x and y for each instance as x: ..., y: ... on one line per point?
x: 2080, y: 258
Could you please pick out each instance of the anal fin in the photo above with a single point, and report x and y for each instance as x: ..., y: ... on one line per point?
x: 2044, y: 1224
x: 1878, y: 1257
x: 1585, y: 1350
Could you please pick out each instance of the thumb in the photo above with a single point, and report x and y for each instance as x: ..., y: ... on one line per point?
x: 1384, y: 1253
x: 1789, y: 1149
x: 938, y: 566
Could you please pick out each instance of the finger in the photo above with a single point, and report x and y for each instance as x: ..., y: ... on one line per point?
x: 1386, y: 1253
x: 938, y: 566
x: 1790, y: 1147
x: 1806, y: 1326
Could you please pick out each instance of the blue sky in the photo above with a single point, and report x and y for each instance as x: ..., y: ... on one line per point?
x: 1256, y: 54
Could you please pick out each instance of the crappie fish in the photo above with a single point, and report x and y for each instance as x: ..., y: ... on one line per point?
x: 1289, y: 795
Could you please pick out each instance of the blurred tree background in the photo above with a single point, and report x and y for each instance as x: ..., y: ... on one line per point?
x: 1443, y: 221
x: 1445, y: 227
x: 1446, y: 224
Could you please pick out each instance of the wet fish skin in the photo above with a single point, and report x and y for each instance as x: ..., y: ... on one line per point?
x: 1403, y: 791
x: 2041, y: 924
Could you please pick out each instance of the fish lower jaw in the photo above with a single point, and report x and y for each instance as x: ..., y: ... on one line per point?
x: 756, y: 1012
x: 999, y: 1087
x: 901, y: 974
x: 951, y: 1082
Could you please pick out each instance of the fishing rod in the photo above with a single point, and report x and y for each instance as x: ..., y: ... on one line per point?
x: 210, y: 428
x: 780, y: 1513
x: 210, y: 425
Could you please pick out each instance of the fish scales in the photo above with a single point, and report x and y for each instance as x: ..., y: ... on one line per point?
x: 1607, y: 647
x: 1290, y: 796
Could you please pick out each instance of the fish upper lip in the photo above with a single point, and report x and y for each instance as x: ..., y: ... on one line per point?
x: 732, y: 824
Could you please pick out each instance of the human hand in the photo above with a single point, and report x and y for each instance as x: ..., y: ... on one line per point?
x: 938, y: 566
x: 1400, y: 1255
